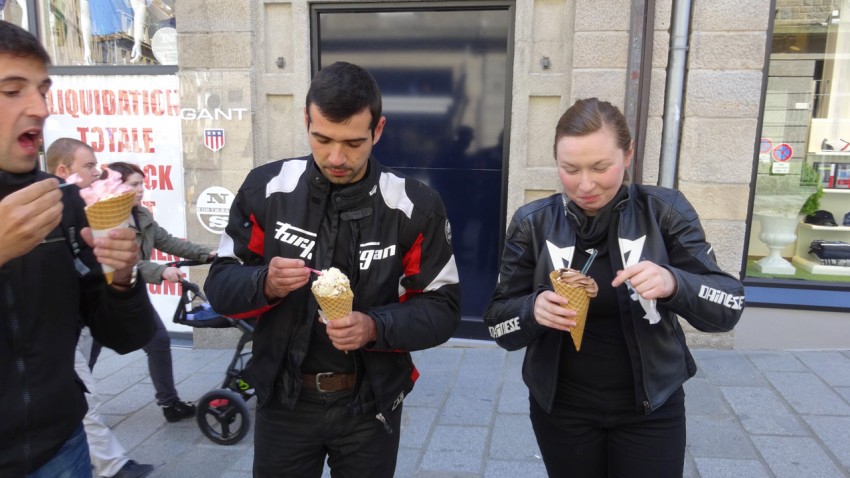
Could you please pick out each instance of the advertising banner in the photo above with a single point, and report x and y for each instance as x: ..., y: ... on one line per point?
x: 135, y: 119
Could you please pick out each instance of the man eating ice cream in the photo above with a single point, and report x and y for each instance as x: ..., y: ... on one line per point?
x: 351, y: 375
x: 52, y: 281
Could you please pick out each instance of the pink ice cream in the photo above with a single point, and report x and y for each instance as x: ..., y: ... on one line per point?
x: 102, y: 188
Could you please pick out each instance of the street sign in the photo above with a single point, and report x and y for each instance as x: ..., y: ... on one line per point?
x: 766, y: 145
x: 782, y: 152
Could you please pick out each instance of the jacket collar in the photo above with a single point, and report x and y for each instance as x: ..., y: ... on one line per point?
x: 10, y: 182
x: 351, y: 195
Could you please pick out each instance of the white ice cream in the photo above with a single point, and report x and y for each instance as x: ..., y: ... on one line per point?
x: 331, y: 283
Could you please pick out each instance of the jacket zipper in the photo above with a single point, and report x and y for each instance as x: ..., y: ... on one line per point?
x: 647, y: 406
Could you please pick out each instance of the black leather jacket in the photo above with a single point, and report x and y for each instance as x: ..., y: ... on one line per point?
x: 655, y: 224
x: 403, y: 272
x: 43, y: 302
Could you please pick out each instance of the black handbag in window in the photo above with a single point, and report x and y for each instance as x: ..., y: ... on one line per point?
x: 830, y: 249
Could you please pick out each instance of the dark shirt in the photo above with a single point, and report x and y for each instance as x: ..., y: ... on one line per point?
x: 599, y: 376
x: 322, y: 356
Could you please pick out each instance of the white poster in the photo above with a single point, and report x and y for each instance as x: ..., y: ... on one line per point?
x: 135, y: 119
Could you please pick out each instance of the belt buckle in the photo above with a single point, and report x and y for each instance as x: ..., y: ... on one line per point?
x: 319, y: 377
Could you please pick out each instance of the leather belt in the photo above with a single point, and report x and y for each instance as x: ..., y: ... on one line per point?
x: 328, y: 381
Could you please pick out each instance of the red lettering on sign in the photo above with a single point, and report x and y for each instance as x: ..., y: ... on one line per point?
x: 157, y: 255
x: 166, y: 288
x: 158, y: 176
x: 118, y: 140
x: 77, y: 103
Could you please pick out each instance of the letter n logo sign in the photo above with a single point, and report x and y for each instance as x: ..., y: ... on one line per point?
x: 214, y: 138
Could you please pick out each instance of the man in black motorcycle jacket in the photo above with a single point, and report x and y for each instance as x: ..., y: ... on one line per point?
x: 338, y: 207
x: 51, y: 282
x: 707, y: 297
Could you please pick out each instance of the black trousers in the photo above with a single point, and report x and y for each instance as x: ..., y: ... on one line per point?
x: 294, y: 443
x: 593, y: 444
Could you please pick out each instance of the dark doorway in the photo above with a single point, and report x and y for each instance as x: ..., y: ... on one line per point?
x: 444, y: 72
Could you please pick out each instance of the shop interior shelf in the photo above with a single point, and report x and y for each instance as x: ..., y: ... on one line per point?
x: 816, y: 268
x: 813, y: 227
x: 836, y: 201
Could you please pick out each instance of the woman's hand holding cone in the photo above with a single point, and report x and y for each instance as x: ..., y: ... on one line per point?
x: 550, y: 310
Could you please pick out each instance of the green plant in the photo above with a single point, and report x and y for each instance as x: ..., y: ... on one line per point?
x: 812, y: 203
x: 809, y: 176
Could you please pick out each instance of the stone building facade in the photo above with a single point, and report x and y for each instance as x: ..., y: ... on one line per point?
x: 247, y: 66
x: 261, y: 53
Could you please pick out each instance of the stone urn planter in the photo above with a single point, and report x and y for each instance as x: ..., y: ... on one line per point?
x: 777, y: 232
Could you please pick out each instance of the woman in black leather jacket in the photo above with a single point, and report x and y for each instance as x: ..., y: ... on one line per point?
x: 616, y: 406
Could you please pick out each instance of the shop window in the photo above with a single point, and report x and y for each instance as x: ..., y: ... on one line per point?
x: 802, y: 189
x: 108, y: 32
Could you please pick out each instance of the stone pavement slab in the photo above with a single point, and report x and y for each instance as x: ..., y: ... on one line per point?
x: 751, y: 414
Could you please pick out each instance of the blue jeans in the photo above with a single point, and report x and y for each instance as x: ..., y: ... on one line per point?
x: 71, y: 461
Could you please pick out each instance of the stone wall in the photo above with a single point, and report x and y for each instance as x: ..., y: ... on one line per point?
x: 564, y: 50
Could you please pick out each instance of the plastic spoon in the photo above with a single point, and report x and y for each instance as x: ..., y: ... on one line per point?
x: 593, y: 253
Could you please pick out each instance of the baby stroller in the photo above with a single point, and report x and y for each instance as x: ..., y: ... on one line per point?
x: 223, y: 414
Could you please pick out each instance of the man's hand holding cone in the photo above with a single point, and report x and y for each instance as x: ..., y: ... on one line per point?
x: 108, y: 214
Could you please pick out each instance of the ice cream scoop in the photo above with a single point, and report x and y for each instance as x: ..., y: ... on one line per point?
x: 102, y: 189
x: 333, y: 293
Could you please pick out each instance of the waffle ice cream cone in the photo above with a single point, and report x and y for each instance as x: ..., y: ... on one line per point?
x: 333, y: 293
x: 578, y: 289
x: 108, y: 214
x: 336, y: 307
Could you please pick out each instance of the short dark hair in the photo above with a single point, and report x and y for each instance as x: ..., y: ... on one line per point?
x: 62, y: 151
x: 126, y: 170
x: 342, y: 90
x: 588, y: 116
x: 14, y: 40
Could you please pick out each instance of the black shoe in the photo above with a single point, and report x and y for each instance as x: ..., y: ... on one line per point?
x: 131, y: 469
x: 178, y: 411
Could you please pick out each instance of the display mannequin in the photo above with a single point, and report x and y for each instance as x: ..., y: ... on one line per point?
x: 140, y: 8
x: 24, y: 18
x: 107, y: 20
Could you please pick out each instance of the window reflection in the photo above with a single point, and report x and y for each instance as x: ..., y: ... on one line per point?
x: 109, y: 32
x: 804, y: 159
x: 443, y: 78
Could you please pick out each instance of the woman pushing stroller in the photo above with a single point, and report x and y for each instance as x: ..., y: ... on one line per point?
x: 151, y: 235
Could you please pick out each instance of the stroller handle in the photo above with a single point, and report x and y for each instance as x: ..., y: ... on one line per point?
x: 194, y: 288
x: 190, y: 286
x: 186, y: 263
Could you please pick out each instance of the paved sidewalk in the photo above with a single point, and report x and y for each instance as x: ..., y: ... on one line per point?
x: 750, y: 414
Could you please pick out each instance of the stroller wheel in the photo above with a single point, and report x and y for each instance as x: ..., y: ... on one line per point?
x: 223, y: 416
